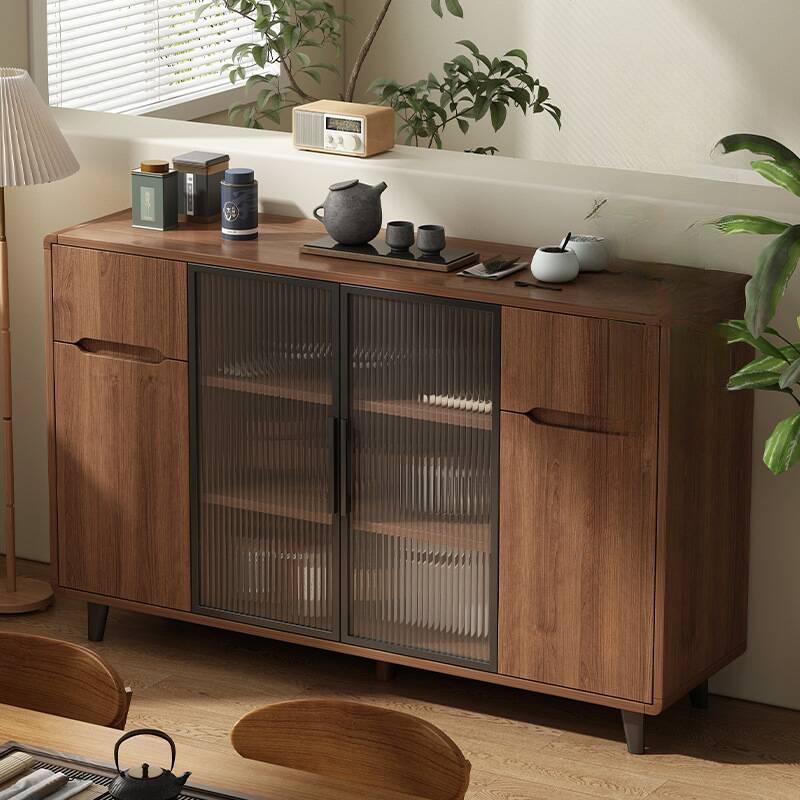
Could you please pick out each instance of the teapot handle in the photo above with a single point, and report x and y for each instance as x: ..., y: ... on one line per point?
x: 144, y: 732
x: 316, y: 213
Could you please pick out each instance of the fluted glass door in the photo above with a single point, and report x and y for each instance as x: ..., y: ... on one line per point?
x: 266, y: 528
x: 420, y: 392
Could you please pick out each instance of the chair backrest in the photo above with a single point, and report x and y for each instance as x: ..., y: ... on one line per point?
x: 60, y: 678
x: 356, y: 742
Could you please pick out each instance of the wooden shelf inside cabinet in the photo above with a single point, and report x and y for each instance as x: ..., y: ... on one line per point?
x: 427, y: 413
x: 474, y: 536
x: 273, y: 507
x: 259, y: 387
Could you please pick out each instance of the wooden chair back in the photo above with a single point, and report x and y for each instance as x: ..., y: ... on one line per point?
x: 355, y: 742
x: 61, y: 678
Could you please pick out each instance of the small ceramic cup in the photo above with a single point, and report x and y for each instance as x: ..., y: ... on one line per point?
x: 591, y: 251
x: 430, y: 239
x: 400, y: 235
x: 553, y: 265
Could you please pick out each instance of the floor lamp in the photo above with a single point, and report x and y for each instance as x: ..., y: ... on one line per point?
x: 32, y: 150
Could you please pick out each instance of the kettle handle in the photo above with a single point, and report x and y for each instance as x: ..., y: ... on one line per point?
x: 144, y: 732
x: 316, y: 213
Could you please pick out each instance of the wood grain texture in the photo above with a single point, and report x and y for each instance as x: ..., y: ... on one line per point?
x: 119, y: 298
x: 51, y: 410
x: 195, y: 682
x: 704, y: 486
x: 577, y: 513
x: 633, y: 291
x: 122, y: 478
x: 554, y: 362
x: 210, y: 767
x: 370, y: 745
x: 60, y: 678
x: 363, y: 652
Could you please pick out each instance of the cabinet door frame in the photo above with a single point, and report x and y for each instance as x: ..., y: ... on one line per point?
x: 195, y: 515
x: 347, y: 291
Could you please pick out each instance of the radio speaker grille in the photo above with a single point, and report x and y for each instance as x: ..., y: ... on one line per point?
x: 309, y: 129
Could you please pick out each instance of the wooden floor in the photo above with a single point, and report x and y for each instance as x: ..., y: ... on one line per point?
x: 195, y: 682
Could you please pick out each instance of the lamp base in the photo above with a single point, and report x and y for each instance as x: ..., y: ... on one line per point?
x: 31, y: 595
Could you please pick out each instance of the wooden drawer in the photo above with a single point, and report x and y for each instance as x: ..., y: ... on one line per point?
x: 102, y: 298
x: 563, y: 369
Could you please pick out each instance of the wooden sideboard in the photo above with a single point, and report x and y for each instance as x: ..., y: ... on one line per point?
x: 543, y: 489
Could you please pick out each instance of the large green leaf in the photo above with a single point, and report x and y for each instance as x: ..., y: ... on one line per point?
x: 753, y: 380
x: 762, y: 146
x: 736, y: 330
x: 747, y: 223
x: 776, y: 264
x: 782, y: 450
x: 786, y: 177
x: 791, y: 374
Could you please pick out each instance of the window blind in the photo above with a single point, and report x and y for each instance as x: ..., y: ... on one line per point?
x: 135, y: 56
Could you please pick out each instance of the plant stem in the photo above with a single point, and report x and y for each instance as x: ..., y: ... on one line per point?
x: 293, y: 83
x: 791, y: 344
x: 362, y: 53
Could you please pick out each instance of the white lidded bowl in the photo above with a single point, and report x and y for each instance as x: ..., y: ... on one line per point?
x: 591, y: 251
x: 553, y: 265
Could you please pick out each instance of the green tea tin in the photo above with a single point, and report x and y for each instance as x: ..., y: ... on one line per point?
x: 154, y: 196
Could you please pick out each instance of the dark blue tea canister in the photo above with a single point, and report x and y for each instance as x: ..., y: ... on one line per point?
x: 239, y: 205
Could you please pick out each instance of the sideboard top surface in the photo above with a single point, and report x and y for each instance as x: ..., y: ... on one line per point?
x: 629, y: 291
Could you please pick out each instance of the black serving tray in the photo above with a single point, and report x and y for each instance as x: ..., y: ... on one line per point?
x: 377, y: 251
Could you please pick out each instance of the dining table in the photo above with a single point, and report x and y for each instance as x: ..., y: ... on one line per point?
x: 211, y: 767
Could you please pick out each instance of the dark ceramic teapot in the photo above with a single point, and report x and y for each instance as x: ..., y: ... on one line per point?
x: 352, y: 212
x: 146, y: 782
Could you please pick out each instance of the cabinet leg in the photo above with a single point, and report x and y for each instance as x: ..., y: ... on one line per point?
x: 97, y: 615
x: 384, y: 671
x: 633, y: 722
x: 699, y: 695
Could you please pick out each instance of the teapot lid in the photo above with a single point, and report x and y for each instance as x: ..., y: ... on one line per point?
x: 337, y: 187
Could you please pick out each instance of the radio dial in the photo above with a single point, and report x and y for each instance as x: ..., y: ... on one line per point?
x: 352, y: 143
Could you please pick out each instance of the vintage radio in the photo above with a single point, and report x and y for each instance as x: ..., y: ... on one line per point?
x: 347, y: 129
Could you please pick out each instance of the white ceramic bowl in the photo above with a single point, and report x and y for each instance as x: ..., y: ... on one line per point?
x: 591, y: 251
x: 552, y: 265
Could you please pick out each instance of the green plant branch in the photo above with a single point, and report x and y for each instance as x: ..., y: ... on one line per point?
x: 362, y: 53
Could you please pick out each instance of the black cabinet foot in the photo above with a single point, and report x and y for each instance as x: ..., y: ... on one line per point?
x: 699, y: 695
x: 97, y: 615
x: 633, y: 722
x: 384, y: 671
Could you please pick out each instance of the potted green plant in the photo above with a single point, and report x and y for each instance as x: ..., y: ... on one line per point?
x: 472, y: 85
x: 777, y: 368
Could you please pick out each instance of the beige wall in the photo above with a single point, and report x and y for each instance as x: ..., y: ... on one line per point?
x: 14, y: 33
x: 648, y: 216
x: 643, y: 85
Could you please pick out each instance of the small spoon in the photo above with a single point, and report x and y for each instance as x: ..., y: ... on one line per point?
x: 563, y: 246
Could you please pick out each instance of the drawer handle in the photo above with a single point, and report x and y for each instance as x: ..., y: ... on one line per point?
x: 552, y: 418
x: 130, y: 352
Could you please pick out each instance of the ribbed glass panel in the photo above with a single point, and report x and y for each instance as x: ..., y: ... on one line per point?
x: 423, y: 503
x: 265, y: 368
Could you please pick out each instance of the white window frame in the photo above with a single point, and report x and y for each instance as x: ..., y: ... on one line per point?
x: 201, y: 106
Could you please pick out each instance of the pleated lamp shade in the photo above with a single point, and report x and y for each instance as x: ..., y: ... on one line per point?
x: 32, y: 148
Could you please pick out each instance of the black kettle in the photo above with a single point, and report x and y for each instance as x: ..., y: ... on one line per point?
x: 146, y: 782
